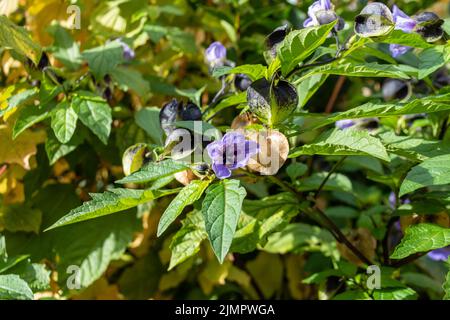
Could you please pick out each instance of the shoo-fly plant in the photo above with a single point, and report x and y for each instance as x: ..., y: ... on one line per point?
x: 226, y: 149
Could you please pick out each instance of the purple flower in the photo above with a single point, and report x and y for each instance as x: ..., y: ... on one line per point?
x: 128, y: 53
x: 345, y: 124
x: 216, y: 53
x: 231, y: 152
x: 393, y: 201
x: 321, y: 12
x: 441, y: 254
x: 406, y: 24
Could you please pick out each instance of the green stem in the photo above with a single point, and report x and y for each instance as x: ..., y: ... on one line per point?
x: 335, y: 167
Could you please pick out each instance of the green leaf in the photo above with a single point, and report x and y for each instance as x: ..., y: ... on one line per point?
x: 148, y: 119
x: 394, y: 294
x: 36, y: 275
x: 430, y: 60
x: 294, y: 236
x: 227, y: 102
x: 400, y: 37
x: 355, y: 69
x: 111, y: 201
x: 192, y: 94
x: 422, y: 237
x: 64, y: 48
x: 431, y: 172
x: 261, y: 218
x: 343, y: 142
x: 28, y: 116
x: 336, y: 181
x: 254, y: 71
x: 429, y: 104
x: 221, y: 209
x: 308, y: 87
x: 140, y: 281
x: 48, y: 90
x: 153, y: 171
x: 20, y: 217
x: 95, y: 114
x: 18, y: 39
x: 296, y: 169
x: 104, y: 59
x: 187, y: 196
x: 446, y: 285
x: 90, y: 245
x: 186, y: 242
x: 130, y: 79
x: 10, y: 262
x: 19, y: 99
x: 56, y: 150
x: 64, y: 121
x: 415, y: 149
x: 12, y: 287
x: 299, y: 44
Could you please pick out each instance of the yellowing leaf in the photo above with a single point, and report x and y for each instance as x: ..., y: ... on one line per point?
x: 20, y: 150
x: 40, y: 15
x: 213, y: 274
x: 17, y: 38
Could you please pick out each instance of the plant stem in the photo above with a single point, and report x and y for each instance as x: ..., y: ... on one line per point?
x: 337, y: 88
x: 333, y: 169
x: 314, y: 64
x: 339, y: 236
x: 411, y: 258
x: 325, y: 221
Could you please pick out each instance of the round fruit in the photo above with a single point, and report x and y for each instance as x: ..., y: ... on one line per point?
x: 273, y: 151
x: 191, y: 112
x: 185, y: 177
x: 135, y: 157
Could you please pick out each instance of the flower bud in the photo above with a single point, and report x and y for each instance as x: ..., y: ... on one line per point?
x: 135, y: 157
x: 429, y: 26
x: 272, y: 103
x: 272, y: 154
x: 215, y: 54
x: 374, y: 20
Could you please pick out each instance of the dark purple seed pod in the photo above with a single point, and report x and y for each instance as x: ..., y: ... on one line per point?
x: 429, y: 26
x: 107, y: 94
x: 169, y: 114
x: 191, y: 112
x: 274, y: 39
x: 43, y: 62
x: 441, y: 78
x: 394, y: 89
x: 242, y: 82
x: 374, y: 20
x: 272, y: 103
